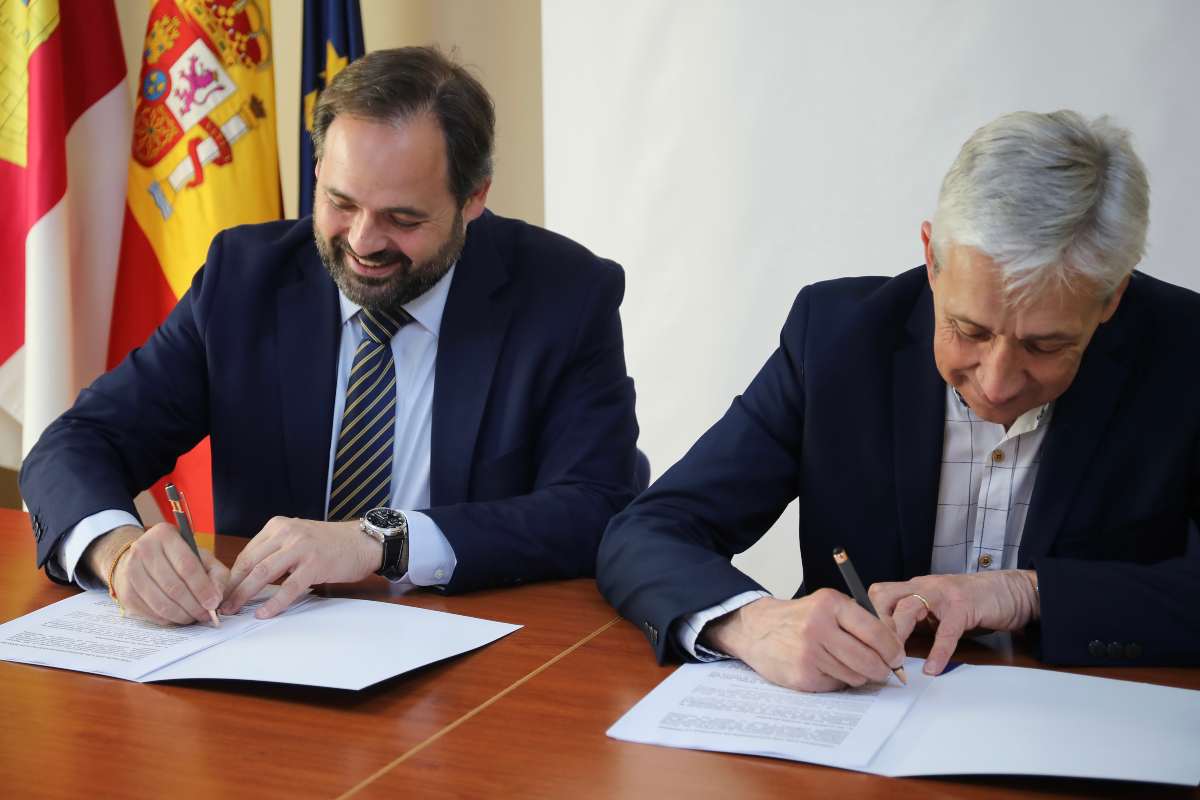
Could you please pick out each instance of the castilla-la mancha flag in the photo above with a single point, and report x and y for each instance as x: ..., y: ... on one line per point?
x: 204, y: 159
x: 64, y: 113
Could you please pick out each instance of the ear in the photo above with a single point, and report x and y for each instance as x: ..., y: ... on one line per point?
x: 476, y: 202
x: 927, y: 246
x: 1110, y: 306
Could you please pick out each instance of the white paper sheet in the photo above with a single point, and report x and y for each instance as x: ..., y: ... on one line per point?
x: 333, y: 642
x: 341, y: 643
x: 970, y: 721
x: 1017, y: 721
x: 86, y: 632
x: 725, y: 706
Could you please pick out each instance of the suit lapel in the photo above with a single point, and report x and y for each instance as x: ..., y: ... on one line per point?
x: 918, y: 425
x: 1081, y: 416
x: 474, y: 325
x: 308, y: 326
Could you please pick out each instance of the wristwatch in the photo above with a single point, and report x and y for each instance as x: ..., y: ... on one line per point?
x: 390, y: 528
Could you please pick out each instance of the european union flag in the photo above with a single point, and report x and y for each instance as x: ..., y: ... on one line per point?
x: 333, y: 38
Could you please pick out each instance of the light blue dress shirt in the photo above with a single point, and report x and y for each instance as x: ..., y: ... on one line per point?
x: 431, y: 559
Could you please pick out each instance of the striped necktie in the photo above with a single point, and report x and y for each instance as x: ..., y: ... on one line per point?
x: 362, y: 466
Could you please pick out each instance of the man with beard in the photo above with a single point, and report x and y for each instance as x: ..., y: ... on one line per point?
x: 406, y: 384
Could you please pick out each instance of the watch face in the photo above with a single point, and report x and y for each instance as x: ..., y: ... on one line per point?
x: 385, y: 518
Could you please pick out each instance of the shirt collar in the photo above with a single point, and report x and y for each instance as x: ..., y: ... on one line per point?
x: 425, y: 310
x: 1031, y: 420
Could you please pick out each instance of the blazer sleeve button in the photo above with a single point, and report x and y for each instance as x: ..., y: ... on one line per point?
x: 1115, y: 650
x: 1096, y: 648
x: 1133, y: 650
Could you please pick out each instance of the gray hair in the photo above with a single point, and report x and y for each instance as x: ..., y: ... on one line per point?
x: 1049, y: 198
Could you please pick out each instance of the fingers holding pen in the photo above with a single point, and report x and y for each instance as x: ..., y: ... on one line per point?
x: 158, y: 577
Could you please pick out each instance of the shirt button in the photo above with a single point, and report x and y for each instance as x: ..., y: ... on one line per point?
x: 997, y: 456
x: 985, y: 560
x: 439, y: 574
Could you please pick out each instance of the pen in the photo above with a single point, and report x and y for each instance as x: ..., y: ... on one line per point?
x: 842, y: 559
x: 185, y: 530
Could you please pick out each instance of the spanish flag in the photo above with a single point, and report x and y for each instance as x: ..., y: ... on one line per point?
x: 204, y: 159
x: 64, y: 109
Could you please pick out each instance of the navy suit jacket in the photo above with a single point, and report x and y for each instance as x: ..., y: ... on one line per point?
x: 533, y: 438
x: 847, y: 415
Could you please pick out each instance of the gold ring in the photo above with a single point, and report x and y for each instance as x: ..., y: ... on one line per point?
x: 924, y: 602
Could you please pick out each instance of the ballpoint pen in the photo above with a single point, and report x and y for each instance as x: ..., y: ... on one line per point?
x: 185, y: 530
x: 842, y: 559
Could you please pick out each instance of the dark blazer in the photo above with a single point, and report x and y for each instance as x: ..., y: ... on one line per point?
x: 847, y: 415
x: 533, y: 438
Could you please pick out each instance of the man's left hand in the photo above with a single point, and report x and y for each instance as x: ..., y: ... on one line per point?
x: 1005, y: 600
x: 308, y: 552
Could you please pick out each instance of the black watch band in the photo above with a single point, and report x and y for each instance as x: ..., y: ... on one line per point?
x: 395, y: 557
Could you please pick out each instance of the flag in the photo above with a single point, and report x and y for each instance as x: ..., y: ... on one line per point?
x: 64, y: 109
x: 204, y: 159
x: 332, y: 39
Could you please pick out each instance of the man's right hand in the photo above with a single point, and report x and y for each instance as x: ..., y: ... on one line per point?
x: 159, y: 578
x: 819, y: 643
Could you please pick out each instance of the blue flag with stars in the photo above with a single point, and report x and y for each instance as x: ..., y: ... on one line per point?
x: 333, y: 38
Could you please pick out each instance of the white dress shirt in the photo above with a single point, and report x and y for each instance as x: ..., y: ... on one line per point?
x: 431, y: 559
x: 986, y: 482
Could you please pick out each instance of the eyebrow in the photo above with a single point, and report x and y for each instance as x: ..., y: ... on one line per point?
x: 1053, y: 336
x: 407, y: 211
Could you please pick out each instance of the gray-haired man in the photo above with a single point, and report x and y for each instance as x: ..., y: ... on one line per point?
x: 1007, y: 437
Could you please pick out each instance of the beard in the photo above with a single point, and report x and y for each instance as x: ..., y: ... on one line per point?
x: 408, y: 282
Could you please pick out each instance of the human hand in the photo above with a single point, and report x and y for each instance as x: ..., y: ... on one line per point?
x: 309, y: 552
x: 819, y: 643
x: 156, y: 575
x: 1004, y: 600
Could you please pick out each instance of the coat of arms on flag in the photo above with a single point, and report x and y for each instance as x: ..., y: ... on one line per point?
x: 203, y: 159
x: 191, y: 50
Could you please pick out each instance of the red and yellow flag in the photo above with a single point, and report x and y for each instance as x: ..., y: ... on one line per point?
x: 64, y: 107
x: 204, y: 159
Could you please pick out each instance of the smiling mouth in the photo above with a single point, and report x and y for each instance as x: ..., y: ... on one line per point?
x: 369, y: 268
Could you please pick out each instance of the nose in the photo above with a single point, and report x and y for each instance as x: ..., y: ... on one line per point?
x: 1001, y: 373
x: 365, y: 236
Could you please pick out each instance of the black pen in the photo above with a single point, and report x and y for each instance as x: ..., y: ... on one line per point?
x: 185, y: 530
x: 842, y: 559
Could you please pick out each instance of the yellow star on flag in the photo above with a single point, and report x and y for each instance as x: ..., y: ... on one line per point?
x: 334, y: 64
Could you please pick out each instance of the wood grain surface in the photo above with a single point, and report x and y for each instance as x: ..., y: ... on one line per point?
x: 72, y: 734
x: 524, y: 717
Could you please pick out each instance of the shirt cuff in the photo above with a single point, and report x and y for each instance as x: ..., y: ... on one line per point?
x: 431, y: 559
x: 86, y: 531
x: 687, y: 633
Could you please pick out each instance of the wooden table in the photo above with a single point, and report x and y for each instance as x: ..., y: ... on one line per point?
x: 523, y: 717
x: 71, y: 734
x: 546, y: 739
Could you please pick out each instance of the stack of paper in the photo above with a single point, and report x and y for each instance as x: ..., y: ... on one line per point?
x: 970, y: 721
x: 334, y: 642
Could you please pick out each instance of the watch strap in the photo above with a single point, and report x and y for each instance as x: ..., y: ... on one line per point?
x: 395, y: 556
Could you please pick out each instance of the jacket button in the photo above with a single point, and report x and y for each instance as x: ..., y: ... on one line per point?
x: 1096, y: 648
x: 1133, y: 650
x: 1115, y: 650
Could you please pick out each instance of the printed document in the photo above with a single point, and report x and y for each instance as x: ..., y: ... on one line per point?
x: 333, y: 642
x: 970, y: 721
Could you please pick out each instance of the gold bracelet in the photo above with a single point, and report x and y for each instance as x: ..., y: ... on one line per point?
x: 112, y: 571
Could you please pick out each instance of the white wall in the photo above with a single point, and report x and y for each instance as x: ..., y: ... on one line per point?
x: 727, y: 153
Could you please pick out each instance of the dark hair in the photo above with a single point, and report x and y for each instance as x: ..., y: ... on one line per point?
x: 396, y: 85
